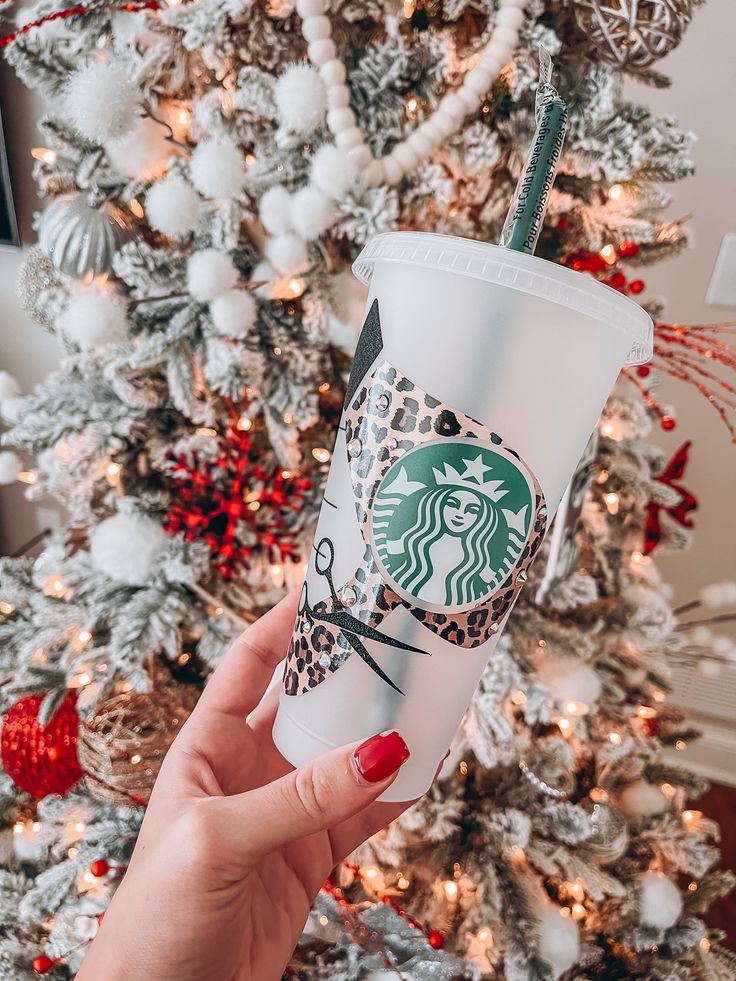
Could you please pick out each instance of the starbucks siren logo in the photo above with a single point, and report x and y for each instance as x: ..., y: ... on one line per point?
x: 450, y: 521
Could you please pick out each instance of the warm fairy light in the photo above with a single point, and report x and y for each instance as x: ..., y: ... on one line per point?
x: 39, y: 656
x: 254, y: 505
x: 565, y: 911
x: 218, y: 611
x: 43, y: 154
x: 409, y: 7
x: 646, y: 712
x: 577, y: 708
x: 296, y: 286
x: 602, y: 477
x: 639, y: 558
x: 611, y: 429
x: 578, y: 911
x: 577, y: 891
x: 450, y: 889
x: 485, y: 935
x: 54, y: 586
x: 80, y: 827
x: 411, y: 106
x: 245, y: 423
x: 184, y: 117
x: 320, y: 454
x: 565, y: 726
x: 615, y: 191
x: 323, y: 920
x: 518, y: 698
x: 680, y: 745
x: 612, y: 502
x: 73, y: 852
x: 288, y: 418
x: 277, y: 574
x: 249, y: 159
x: 184, y: 658
x: 6, y: 608
x: 704, y: 944
x: 205, y: 431
x: 136, y: 208
x: 668, y: 790
x: 112, y: 471
x: 371, y: 872
x: 84, y: 637
x: 517, y: 854
x: 324, y: 387
x: 615, y: 738
x: 598, y: 795
x: 402, y: 882
x: 658, y: 695
x: 82, y: 679
x: 135, y: 758
x: 691, y: 818
x: 608, y: 254
x: 28, y: 477
x: 18, y: 828
x: 692, y: 886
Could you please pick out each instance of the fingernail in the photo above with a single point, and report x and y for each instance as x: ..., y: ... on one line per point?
x: 380, y: 756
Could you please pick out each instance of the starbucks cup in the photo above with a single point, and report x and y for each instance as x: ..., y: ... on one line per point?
x: 479, y: 375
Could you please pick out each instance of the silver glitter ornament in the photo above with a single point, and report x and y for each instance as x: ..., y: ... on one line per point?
x: 36, y: 279
x: 79, y: 238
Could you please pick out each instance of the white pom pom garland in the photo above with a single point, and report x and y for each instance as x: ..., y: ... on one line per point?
x: 125, y: 547
x: 143, y: 152
x: 11, y: 466
x: 288, y: 254
x: 642, y: 799
x: 102, y: 101
x: 9, y: 386
x: 301, y: 99
x: 172, y: 206
x: 94, y: 317
x: 570, y: 680
x: 660, y: 901
x: 218, y: 169
x: 265, y: 273
x: 233, y: 313
x: 209, y: 274
x: 10, y: 409
x: 333, y: 171
x: 312, y: 212
x: 274, y: 210
x: 718, y: 594
x: 559, y: 940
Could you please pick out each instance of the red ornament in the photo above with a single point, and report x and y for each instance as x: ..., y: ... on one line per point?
x: 668, y: 423
x: 40, y: 759
x: 637, y: 286
x: 99, y: 867
x: 42, y: 964
x: 234, y: 503
x: 617, y: 280
x: 643, y: 370
x: 436, y: 939
x: 673, y: 473
x: 650, y: 727
x: 628, y: 250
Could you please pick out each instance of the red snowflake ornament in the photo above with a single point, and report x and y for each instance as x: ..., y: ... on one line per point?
x: 673, y: 473
x: 235, y: 504
x: 41, y: 759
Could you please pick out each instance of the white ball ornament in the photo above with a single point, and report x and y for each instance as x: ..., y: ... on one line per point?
x: 338, y: 97
x: 316, y: 28
x: 300, y: 98
x: 274, y: 210
x: 233, y: 313
x: 312, y: 212
x: 642, y: 799
x: 209, y: 274
x: 143, y: 152
x: 333, y: 171
x: 288, y: 254
x: 660, y: 901
x: 346, y: 139
x: 718, y: 594
x: 263, y: 272
x: 94, y: 317
x: 173, y: 206
x: 570, y: 680
x: 320, y: 52
x: 217, y: 168
x: 11, y: 466
x: 10, y: 409
x: 559, y: 940
x: 9, y: 386
x: 125, y: 547
x: 102, y: 101
x: 310, y: 8
x: 333, y: 73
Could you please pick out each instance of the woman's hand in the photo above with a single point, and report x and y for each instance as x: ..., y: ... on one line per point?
x: 236, y: 843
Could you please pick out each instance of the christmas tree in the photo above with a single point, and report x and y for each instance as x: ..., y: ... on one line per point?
x: 212, y: 168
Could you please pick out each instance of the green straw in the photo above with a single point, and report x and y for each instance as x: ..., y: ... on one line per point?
x: 526, y: 215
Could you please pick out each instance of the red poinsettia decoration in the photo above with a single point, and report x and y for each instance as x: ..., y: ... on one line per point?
x: 234, y: 503
x: 673, y: 473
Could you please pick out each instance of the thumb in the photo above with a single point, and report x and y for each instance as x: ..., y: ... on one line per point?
x: 318, y: 795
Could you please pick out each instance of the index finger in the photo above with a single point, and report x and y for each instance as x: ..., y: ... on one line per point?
x: 241, y: 678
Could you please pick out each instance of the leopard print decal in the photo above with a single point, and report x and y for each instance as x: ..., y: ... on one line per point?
x: 388, y: 416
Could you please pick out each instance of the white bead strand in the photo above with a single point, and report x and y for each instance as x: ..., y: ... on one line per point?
x: 444, y: 122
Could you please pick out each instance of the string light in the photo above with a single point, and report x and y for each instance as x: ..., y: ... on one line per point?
x: 485, y: 935
x: 578, y: 911
x: 245, y: 423
x: 249, y: 159
x: 205, y: 431
x: 608, y: 254
x: 324, y: 387
x: 577, y: 708
x: 668, y: 790
x: 704, y: 944
x: 6, y: 608
x: 658, y: 695
x: 598, y: 795
x: 692, y: 886
x: 680, y: 745
x: 646, y: 712
x: 612, y: 502
x: 450, y: 889
x: 638, y: 558
x: 112, y: 472
x: 565, y: 726
x: 184, y: 658
x: 28, y: 477
x: 615, y: 738
x: 320, y: 454
x: 277, y: 575
x: 518, y: 698
x: 43, y: 154
x: 54, y: 586
x: 602, y: 477
x: 615, y: 191
x: 136, y: 208
x: 135, y: 758
x: 402, y: 882
x: 691, y: 818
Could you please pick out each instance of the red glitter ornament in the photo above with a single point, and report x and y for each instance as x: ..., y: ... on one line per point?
x: 650, y: 727
x: 637, y: 286
x: 99, y: 867
x: 436, y: 939
x: 643, y: 370
x: 42, y: 964
x: 628, y: 250
x: 234, y: 503
x: 40, y: 759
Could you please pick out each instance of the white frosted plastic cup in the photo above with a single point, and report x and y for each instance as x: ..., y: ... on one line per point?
x: 481, y: 372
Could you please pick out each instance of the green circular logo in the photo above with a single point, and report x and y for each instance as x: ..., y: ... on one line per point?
x: 450, y: 521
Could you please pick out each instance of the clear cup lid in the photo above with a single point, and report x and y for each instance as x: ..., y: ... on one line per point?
x: 516, y: 270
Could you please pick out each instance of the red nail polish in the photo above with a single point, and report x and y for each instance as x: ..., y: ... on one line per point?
x: 380, y: 756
